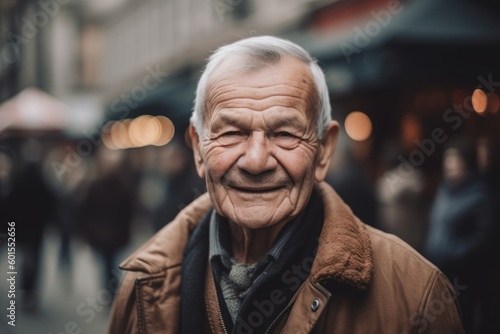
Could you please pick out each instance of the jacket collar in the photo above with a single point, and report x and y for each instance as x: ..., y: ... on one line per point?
x: 344, y: 250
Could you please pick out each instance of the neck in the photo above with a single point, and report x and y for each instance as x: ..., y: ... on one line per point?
x: 251, y: 245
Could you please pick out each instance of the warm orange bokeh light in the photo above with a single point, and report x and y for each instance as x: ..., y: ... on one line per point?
x: 106, y: 136
x: 142, y: 131
x: 119, y: 135
x: 479, y: 101
x: 358, y: 126
x: 167, y: 131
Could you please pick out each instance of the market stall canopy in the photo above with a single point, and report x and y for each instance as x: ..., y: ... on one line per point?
x: 417, y: 41
x: 423, y: 21
x: 33, y: 109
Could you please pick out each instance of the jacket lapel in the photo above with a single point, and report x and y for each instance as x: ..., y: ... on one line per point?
x: 155, y: 295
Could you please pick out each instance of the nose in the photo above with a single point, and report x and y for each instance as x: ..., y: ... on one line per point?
x: 257, y: 157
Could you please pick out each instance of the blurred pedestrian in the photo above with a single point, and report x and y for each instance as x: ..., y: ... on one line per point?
x: 69, y: 188
x: 461, y: 228
x: 106, y: 211
x: 351, y: 183
x: 31, y: 205
x: 181, y: 183
x: 402, y: 206
x: 6, y: 179
x: 488, y: 161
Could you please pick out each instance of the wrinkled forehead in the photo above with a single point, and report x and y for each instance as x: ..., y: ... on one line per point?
x: 284, y: 68
x: 242, y: 77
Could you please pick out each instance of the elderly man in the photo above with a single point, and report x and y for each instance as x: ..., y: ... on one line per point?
x: 271, y: 248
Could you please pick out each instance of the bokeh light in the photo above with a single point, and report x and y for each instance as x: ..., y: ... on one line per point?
x: 358, y: 126
x: 119, y: 135
x: 138, y: 132
x: 167, y: 131
x: 479, y: 101
x: 144, y: 130
x: 106, y: 136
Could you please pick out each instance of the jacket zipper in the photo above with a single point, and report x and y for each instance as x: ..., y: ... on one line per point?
x: 220, y: 317
x: 292, y: 301
x: 279, y: 316
x: 272, y: 323
x: 270, y: 327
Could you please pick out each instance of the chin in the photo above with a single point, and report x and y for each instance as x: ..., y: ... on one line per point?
x: 256, y: 217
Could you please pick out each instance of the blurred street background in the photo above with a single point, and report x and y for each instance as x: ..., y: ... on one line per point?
x: 95, y: 99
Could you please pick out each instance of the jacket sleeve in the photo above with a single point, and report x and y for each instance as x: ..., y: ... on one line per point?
x: 440, y: 311
x: 123, y: 317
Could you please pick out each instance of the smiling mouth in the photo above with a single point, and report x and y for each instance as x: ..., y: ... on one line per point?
x: 257, y: 190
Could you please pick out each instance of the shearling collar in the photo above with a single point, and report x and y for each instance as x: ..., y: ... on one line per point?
x: 344, y: 249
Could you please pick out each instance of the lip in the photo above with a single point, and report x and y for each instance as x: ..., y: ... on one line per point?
x: 257, y: 190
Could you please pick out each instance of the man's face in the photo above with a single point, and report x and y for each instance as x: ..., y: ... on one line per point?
x: 259, y: 152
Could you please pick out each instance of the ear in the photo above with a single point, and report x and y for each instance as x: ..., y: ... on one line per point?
x: 326, y: 150
x: 198, y: 158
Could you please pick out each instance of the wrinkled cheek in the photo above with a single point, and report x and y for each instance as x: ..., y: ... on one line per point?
x: 220, y: 159
x: 301, y: 170
x: 302, y: 175
x: 212, y: 180
x: 215, y: 170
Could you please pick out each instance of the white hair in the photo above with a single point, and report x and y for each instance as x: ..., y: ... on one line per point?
x: 260, y: 51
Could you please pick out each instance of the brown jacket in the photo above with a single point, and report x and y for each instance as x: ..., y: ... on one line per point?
x: 377, y: 283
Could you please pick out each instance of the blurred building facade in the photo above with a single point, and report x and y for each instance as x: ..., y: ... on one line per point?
x: 117, y: 56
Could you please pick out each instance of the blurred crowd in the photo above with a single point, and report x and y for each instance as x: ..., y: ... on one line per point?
x: 99, y: 197
x: 96, y: 198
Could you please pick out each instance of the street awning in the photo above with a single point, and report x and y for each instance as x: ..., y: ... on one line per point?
x: 33, y: 109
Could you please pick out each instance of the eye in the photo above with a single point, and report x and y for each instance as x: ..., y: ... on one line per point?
x: 233, y: 133
x: 284, y: 139
x: 232, y: 137
x: 283, y: 134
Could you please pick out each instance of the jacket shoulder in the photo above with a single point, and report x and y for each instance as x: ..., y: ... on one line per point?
x: 419, y: 292
x: 396, y: 251
x: 405, y: 270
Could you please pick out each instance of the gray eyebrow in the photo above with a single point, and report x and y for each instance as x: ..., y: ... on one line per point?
x: 228, y: 118
x: 287, y: 121
x: 225, y: 119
